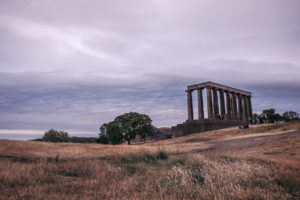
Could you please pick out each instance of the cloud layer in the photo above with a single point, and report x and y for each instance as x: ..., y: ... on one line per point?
x: 76, y: 64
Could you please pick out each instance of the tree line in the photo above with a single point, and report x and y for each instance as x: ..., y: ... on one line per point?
x: 129, y: 126
x: 271, y: 116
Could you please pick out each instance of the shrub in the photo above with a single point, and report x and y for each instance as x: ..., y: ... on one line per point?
x: 169, y: 136
x: 102, y: 139
x: 56, y: 136
x: 162, y: 155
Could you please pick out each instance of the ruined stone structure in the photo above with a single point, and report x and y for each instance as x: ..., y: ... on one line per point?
x: 226, y: 107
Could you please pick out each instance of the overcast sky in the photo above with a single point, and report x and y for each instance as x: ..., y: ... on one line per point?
x: 75, y: 64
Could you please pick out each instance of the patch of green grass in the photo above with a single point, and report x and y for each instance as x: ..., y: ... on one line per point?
x: 271, y: 152
x: 75, y: 169
x: 268, y: 128
x: 263, y: 129
x: 266, y: 163
x: 291, y: 185
x: 144, y: 156
x: 229, y: 159
x: 161, y: 155
x: 194, y: 140
x: 142, y: 161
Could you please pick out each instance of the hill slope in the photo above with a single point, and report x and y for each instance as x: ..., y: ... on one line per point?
x: 257, y: 163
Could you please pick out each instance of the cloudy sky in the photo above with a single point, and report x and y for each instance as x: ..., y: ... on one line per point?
x: 75, y: 64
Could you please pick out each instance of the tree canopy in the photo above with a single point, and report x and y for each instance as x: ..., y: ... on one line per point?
x: 290, y: 115
x: 127, y: 127
x: 270, y: 116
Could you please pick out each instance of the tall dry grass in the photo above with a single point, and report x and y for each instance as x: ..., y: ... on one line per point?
x: 143, y: 175
x: 165, y: 170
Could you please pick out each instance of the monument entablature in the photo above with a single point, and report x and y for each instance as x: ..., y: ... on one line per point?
x: 218, y: 86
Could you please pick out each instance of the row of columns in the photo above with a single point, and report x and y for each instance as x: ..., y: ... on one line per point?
x: 238, y: 106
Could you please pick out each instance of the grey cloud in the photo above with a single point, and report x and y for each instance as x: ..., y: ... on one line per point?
x: 83, y: 106
x: 75, y: 64
x: 85, y: 101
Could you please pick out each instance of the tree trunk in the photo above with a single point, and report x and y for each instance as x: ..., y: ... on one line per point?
x: 128, y: 142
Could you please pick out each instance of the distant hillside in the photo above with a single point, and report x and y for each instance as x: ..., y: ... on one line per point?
x: 160, y: 133
x: 165, y: 130
x: 75, y: 139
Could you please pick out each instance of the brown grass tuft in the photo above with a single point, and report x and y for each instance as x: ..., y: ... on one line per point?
x: 170, y: 169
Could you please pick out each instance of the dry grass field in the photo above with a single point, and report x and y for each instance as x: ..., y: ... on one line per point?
x: 262, y: 162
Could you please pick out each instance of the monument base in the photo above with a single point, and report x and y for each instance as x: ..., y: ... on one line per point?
x: 196, y: 126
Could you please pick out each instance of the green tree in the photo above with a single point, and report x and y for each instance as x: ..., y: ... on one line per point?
x: 255, y: 118
x: 114, y: 133
x: 269, y: 115
x: 262, y: 118
x: 290, y: 115
x: 145, y: 131
x: 102, y: 129
x: 55, y: 136
x: 127, y: 127
x: 133, y: 124
x: 103, y: 139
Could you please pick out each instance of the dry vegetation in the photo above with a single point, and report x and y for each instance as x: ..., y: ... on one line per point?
x: 177, y: 168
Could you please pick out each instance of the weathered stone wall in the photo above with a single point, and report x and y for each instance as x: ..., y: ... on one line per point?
x: 197, y: 126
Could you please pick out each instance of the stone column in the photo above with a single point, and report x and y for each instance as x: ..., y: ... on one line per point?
x: 240, y: 107
x: 231, y: 106
x: 234, y: 106
x: 228, y: 115
x: 209, y: 103
x: 246, y: 116
x: 247, y: 106
x: 250, y: 107
x: 200, y: 104
x: 216, y: 103
x: 222, y: 104
x: 190, y: 105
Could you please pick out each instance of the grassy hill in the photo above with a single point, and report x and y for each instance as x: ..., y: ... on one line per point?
x: 262, y: 162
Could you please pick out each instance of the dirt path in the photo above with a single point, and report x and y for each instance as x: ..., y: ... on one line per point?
x: 245, y: 143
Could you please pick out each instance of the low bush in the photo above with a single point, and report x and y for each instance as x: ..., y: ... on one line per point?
x: 161, y: 155
x: 56, y: 136
x: 102, y: 140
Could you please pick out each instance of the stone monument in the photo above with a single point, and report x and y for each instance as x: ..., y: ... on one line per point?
x: 226, y: 107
